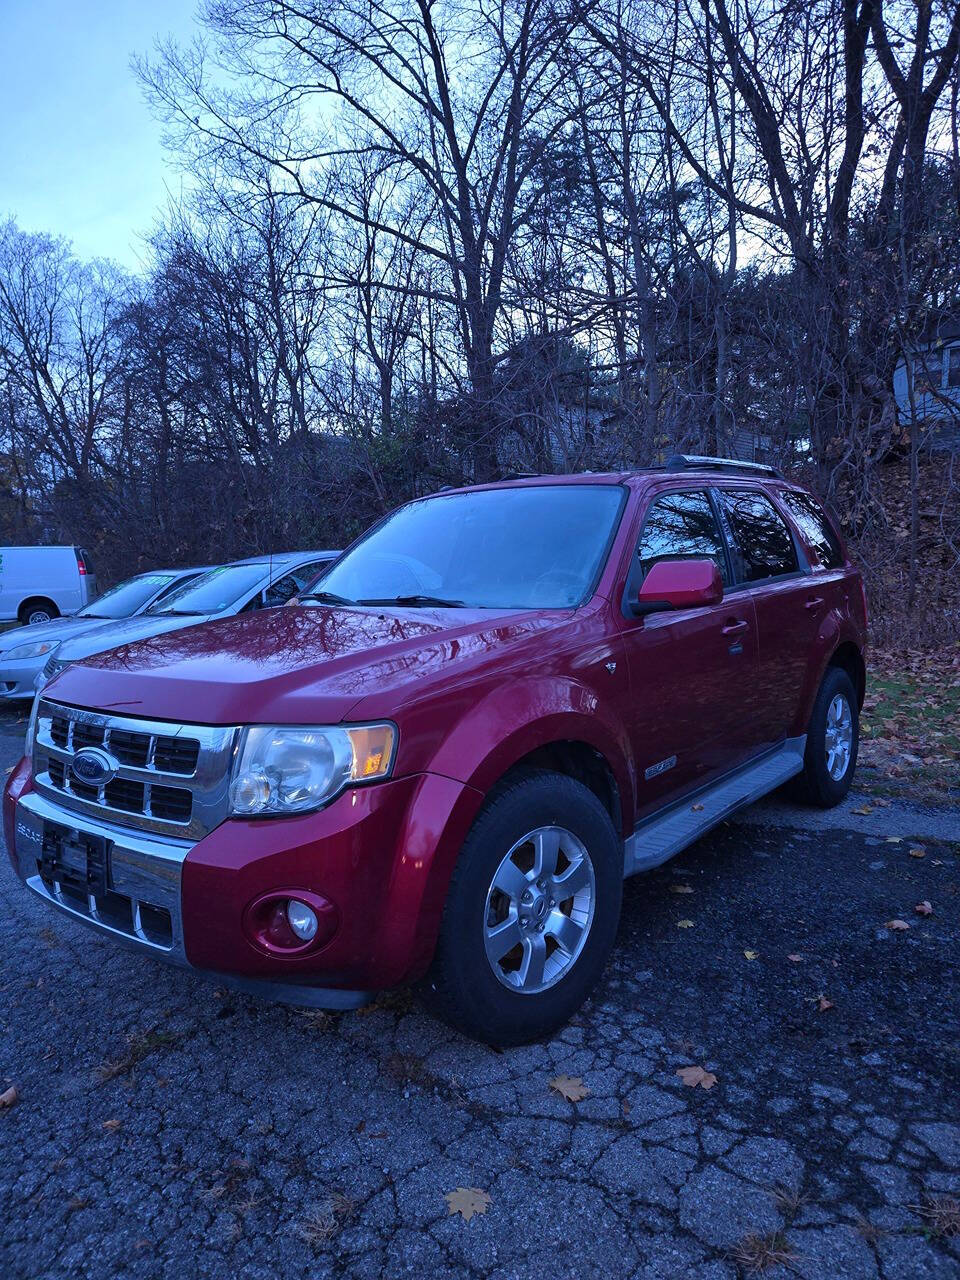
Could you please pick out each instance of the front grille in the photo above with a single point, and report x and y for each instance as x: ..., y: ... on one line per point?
x: 167, y: 778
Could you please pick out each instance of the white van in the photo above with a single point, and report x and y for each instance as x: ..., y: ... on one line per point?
x: 40, y: 583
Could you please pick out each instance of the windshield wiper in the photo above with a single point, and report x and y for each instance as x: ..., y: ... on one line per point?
x: 415, y: 602
x: 326, y: 597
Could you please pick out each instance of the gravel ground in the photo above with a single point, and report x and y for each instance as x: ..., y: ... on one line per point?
x: 169, y: 1128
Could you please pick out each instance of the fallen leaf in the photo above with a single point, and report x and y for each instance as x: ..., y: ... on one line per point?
x: 684, y: 924
x: 751, y: 955
x: 681, y: 888
x: 896, y: 925
x: 570, y: 1087
x: 467, y: 1201
x: 917, y: 852
x: 794, y: 959
x: 864, y: 809
x: 823, y: 1004
x: 923, y: 908
x: 693, y: 1076
x: 695, y: 808
x: 9, y: 1096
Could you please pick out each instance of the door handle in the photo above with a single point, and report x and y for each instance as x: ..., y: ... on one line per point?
x: 735, y: 627
x: 814, y: 602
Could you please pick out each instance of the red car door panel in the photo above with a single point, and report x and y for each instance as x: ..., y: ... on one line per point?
x: 692, y: 671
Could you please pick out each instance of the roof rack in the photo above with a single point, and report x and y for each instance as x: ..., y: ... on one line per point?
x: 693, y: 461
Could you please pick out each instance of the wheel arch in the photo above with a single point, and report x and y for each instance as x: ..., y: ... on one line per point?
x: 35, y: 599
x: 849, y: 658
x: 579, y: 760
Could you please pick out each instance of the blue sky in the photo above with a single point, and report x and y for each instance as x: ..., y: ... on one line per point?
x: 80, y: 154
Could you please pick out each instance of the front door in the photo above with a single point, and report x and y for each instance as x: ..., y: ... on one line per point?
x: 691, y: 670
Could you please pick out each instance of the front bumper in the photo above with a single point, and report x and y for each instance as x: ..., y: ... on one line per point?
x: 18, y: 679
x: 382, y: 854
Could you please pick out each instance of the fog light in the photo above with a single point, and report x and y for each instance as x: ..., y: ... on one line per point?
x: 302, y: 919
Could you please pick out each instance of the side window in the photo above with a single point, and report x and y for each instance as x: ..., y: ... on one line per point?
x: 763, y: 539
x: 305, y: 573
x: 953, y: 367
x: 817, y: 531
x: 279, y: 592
x: 680, y: 526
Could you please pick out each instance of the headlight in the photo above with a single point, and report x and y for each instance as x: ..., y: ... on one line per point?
x: 31, y: 727
x: 35, y: 650
x: 291, y: 769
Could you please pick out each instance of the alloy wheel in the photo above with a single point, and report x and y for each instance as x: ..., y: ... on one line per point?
x: 838, y: 743
x: 539, y: 909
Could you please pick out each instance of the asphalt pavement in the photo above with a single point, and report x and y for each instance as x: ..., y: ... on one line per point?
x: 169, y: 1128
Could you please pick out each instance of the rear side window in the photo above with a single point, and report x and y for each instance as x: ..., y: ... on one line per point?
x: 681, y: 526
x: 816, y: 529
x: 763, y: 540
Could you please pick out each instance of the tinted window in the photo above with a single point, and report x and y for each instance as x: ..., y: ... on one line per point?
x: 681, y: 526
x: 763, y: 539
x: 123, y: 600
x: 815, y: 527
x: 537, y: 546
x: 214, y: 591
x: 281, y: 591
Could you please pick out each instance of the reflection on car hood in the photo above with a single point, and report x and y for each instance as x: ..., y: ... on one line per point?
x: 56, y: 630
x: 121, y: 631
x: 295, y: 665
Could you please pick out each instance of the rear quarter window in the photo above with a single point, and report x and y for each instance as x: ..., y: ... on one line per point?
x: 815, y: 529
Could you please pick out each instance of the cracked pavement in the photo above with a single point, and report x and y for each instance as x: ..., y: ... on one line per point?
x: 169, y: 1127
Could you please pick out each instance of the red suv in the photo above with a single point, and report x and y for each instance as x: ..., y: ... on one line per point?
x: 443, y: 761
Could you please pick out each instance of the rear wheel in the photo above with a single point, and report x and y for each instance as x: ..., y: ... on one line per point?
x: 39, y: 610
x: 532, y: 911
x: 832, y: 740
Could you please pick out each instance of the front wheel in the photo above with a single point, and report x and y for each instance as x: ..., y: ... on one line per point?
x: 531, y: 913
x: 832, y: 740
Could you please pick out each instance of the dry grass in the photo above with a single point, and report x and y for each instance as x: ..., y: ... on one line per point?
x: 319, y: 1227
x: 941, y: 1216
x: 139, y: 1046
x: 756, y: 1253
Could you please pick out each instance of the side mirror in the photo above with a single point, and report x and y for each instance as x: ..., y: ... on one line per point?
x: 678, y: 584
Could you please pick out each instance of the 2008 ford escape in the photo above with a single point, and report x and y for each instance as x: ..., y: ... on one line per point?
x: 498, y: 703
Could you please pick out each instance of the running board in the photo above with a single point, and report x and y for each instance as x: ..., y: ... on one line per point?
x: 657, y: 839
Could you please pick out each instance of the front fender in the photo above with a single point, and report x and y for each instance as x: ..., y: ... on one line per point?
x: 521, y: 715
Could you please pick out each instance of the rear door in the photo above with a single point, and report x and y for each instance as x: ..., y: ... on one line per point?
x: 772, y: 571
x: 691, y: 671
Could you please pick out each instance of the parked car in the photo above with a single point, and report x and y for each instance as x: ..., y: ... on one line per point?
x: 40, y: 583
x: 24, y: 651
x: 239, y: 587
x: 498, y: 703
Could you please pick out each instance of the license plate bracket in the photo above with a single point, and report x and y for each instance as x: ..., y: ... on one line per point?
x: 75, y: 859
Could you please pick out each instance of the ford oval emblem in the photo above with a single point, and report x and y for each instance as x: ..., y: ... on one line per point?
x: 94, y: 767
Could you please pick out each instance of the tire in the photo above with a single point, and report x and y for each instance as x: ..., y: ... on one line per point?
x: 483, y: 996
x: 38, y: 610
x: 819, y: 784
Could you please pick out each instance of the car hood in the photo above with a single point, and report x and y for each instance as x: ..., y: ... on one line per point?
x: 121, y: 631
x: 57, y: 630
x: 295, y: 665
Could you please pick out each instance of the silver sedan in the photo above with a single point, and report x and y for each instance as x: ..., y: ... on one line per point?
x: 24, y: 651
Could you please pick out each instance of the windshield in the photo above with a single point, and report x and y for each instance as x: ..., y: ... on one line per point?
x: 537, y: 547
x: 214, y: 591
x: 123, y: 600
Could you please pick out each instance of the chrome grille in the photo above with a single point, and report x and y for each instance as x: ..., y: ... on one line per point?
x: 169, y: 778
